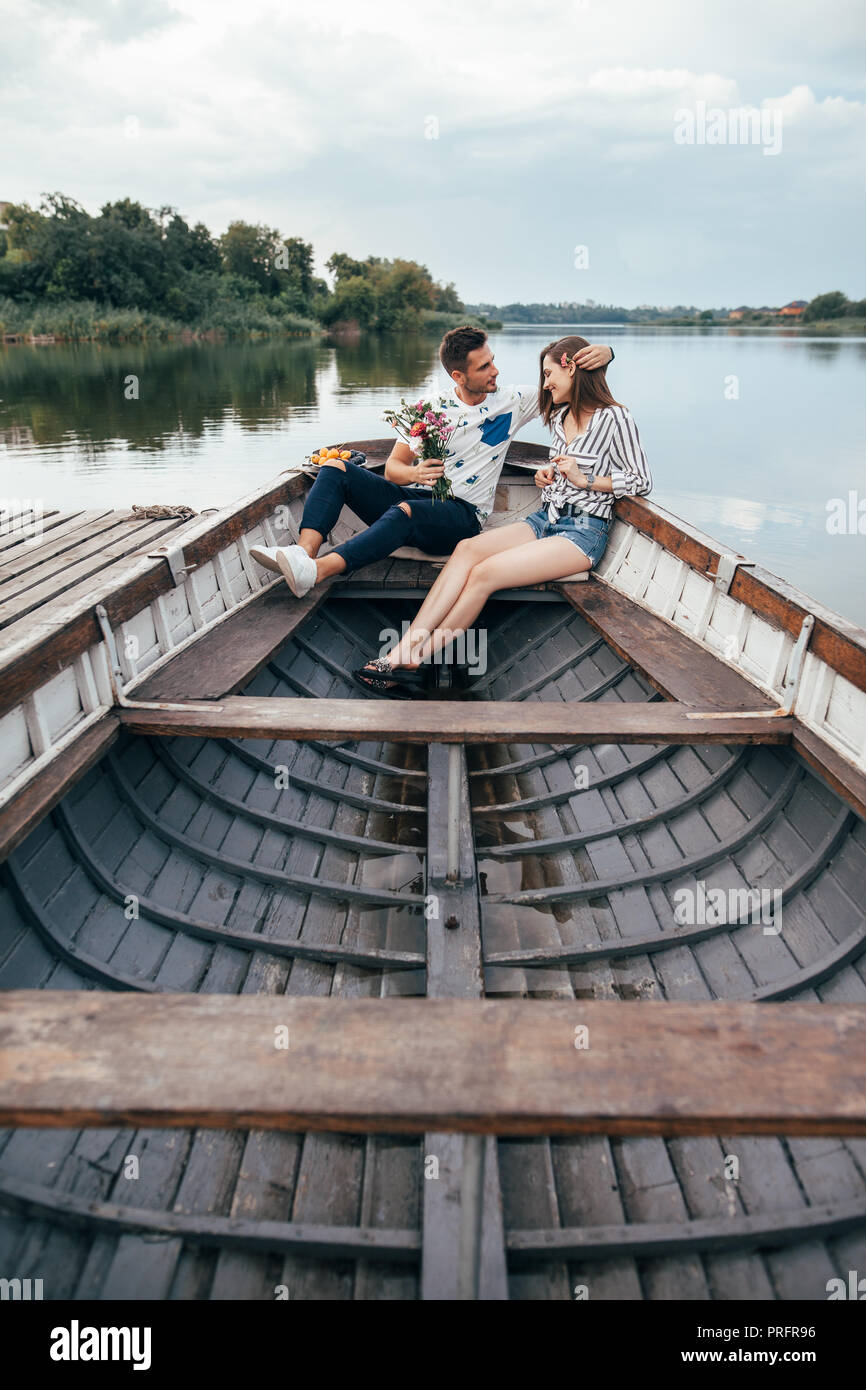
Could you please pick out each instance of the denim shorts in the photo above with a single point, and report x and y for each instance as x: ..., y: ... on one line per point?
x: 589, y: 533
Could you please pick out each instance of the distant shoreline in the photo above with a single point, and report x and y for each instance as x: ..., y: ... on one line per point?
x: 163, y: 335
x: 826, y: 327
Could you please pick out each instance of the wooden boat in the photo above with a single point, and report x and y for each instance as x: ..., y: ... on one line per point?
x: 313, y: 995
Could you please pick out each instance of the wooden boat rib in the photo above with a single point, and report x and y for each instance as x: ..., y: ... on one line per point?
x: 245, y: 840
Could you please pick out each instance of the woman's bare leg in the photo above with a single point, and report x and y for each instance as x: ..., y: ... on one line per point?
x: 535, y: 562
x: 449, y: 584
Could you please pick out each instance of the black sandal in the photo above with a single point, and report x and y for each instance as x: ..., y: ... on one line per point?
x: 378, y: 676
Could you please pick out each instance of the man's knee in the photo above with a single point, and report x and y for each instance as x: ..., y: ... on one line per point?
x: 404, y: 507
x: 333, y: 463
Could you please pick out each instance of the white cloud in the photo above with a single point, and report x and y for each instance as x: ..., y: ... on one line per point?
x: 312, y: 118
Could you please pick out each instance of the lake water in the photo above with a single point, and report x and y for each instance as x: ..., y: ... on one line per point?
x: 751, y: 435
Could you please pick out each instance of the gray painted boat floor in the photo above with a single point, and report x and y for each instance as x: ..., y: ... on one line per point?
x: 283, y: 867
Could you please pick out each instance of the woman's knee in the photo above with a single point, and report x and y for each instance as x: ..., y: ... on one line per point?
x: 467, y: 552
x: 482, y: 573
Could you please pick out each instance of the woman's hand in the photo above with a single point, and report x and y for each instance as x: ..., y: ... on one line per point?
x: 428, y: 471
x: 545, y: 475
x: 570, y: 469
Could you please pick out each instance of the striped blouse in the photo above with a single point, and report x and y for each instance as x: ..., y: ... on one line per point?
x: 610, y: 445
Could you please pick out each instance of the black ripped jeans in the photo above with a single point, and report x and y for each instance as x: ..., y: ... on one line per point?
x: 434, y: 527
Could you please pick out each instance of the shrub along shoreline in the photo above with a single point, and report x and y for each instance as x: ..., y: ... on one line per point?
x: 83, y: 321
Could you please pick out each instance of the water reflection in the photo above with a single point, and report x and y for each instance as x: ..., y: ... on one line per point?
x: 755, y: 470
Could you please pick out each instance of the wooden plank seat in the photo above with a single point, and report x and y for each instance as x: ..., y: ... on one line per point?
x: 676, y: 665
x: 482, y: 721
x: 414, y: 1066
x: 224, y: 659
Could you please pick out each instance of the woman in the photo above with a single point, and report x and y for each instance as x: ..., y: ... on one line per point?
x: 596, y: 456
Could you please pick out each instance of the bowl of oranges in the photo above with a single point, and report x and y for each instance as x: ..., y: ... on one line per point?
x: 328, y: 452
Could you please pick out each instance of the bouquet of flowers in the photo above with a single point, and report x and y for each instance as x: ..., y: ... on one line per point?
x: 423, y: 421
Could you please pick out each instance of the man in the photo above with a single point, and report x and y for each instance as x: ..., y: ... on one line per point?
x: 398, y: 509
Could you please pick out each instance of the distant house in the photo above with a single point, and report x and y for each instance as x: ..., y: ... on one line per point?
x: 792, y: 310
x: 738, y: 313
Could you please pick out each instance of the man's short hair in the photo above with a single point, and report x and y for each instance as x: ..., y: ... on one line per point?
x: 457, y: 345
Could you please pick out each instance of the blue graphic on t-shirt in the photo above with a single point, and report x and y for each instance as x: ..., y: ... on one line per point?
x: 495, y: 430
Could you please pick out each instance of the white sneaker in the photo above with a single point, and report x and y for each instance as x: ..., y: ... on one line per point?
x: 266, y: 555
x: 296, y: 567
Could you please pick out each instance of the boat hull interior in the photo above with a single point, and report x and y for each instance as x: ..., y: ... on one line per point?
x: 244, y: 866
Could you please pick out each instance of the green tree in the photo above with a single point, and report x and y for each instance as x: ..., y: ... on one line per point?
x: 403, y: 289
x: 189, y: 249
x: 250, y: 251
x: 353, y: 299
x: 448, y: 300
x: 344, y: 267
x: 826, y: 306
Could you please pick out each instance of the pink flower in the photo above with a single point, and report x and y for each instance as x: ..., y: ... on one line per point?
x: 563, y: 361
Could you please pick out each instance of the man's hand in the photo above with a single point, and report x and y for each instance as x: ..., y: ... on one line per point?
x: 545, y: 475
x: 589, y: 359
x: 428, y: 471
x: 404, y: 467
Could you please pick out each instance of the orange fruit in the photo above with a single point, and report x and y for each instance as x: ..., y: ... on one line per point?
x: 314, y: 458
x: 323, y: 452
x: 345, y: 454
x: 333, y: 453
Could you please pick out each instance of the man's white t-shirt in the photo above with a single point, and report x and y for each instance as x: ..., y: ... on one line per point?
x: 482, y: 434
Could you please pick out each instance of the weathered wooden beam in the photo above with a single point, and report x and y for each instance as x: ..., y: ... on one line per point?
x: 673, y: 662
x: 453, y: 1244
x: 415, y: 1066
x: 430, y: 721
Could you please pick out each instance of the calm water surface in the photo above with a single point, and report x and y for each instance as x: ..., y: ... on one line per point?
x: 750, y: 435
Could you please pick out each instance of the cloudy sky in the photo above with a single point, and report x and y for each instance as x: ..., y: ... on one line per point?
x: 487, y: 141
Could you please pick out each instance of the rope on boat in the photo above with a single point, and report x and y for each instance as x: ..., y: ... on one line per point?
x: 159, y: 511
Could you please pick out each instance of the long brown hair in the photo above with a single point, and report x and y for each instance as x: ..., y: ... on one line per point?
x: 589, y: 390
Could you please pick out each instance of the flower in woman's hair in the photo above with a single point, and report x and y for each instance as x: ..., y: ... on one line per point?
x: 563, y: 361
